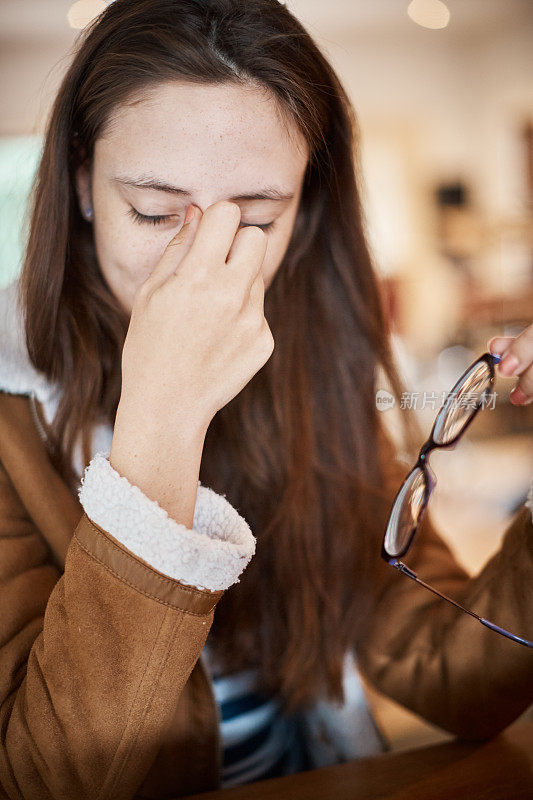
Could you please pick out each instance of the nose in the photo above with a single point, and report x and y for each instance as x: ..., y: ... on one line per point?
x: 204, y: 202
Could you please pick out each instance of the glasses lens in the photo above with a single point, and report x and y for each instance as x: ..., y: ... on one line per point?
x: 405, y: 512
x: 461, y: 403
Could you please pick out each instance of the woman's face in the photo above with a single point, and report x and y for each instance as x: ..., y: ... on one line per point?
x: 188, y: 143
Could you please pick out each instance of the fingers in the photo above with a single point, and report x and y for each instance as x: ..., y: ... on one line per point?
x: 522, y: 398
x: 216, y: 232
x: 518, y: 360
x: 209, y: 239
x: 522, y: 394
x: 247, y: 253
x: 257, y: 292
x: 499, y: 344
x: 176, y: 249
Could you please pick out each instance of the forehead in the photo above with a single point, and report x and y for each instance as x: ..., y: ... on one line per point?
x: 192, y: 132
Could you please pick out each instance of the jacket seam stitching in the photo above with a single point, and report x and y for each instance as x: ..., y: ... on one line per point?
x: 135, y: 699
x: 141, y: 591
x: 163, y: 578
x: 149, y: 706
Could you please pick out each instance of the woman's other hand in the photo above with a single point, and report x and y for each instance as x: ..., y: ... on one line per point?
x: 517, y: 359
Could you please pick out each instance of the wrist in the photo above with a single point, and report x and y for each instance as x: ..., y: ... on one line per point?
x: 143, y: 426
x: 163, y: 461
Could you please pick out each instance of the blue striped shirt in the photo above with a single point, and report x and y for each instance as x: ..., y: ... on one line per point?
x: 258, y: 741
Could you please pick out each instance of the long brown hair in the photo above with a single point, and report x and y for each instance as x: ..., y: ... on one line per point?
x: 301, y: 450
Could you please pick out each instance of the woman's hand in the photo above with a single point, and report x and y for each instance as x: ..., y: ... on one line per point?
x: 197, y: 335
x: 197, y: 332
x: 518, y: 360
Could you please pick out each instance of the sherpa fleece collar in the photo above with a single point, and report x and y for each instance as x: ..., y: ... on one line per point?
x: 17, y: 373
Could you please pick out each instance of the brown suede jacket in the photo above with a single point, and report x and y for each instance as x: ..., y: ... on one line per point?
x: 102, y: 690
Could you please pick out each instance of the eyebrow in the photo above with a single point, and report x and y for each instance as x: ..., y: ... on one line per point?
x: 147, y: 182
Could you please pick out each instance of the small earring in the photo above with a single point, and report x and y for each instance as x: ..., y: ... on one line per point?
x: 89, y: 213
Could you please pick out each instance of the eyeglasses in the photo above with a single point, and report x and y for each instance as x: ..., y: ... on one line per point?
x: 471, y: 392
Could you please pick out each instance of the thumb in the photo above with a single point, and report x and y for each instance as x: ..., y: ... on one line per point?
x: 499, y: 344
x: 177, y: 248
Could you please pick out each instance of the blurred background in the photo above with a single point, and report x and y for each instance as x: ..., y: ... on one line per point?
x: 444, y: 97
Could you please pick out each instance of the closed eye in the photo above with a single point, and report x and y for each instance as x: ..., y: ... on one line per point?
x: 143, y: 219
x: 157, y: 219
x: 264, y: 227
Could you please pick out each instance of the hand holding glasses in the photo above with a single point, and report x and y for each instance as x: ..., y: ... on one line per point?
x: 410, y: 504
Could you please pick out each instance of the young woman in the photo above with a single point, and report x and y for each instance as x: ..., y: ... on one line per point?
x: 188, y: 421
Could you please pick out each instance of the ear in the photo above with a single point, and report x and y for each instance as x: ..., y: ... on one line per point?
x: 84, y: 191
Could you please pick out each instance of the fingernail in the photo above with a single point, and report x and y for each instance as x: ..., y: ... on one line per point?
x: 508, y: 364
x: 519, y: 398
x: 190, y: 214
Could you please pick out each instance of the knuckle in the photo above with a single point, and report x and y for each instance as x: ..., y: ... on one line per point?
x: 257, y: 297
x: 257, y: 290
x: 252, y: 318
x: 267, y: 337
x: 247, y: 317
x: 144, y: 290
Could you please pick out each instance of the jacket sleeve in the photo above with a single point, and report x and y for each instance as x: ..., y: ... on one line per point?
x: 210, y: 556
x: 439, y: 661
x: 93, y: 660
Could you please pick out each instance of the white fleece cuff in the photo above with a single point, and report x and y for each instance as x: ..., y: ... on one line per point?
x: 210, y: 556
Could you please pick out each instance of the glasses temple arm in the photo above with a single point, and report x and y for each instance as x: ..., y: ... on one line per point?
x: 401, y: 567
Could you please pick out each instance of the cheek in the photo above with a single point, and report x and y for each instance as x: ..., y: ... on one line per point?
x: 125, y: 250
x: 128, y: 250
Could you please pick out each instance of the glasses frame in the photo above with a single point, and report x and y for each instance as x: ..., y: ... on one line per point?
x: 430, y: 482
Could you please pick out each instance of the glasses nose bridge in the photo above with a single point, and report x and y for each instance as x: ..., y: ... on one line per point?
x: 423, y: 463
x: 425, y: 450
